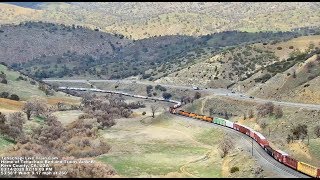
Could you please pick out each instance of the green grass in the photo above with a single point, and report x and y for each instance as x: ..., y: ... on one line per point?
x: 39, y: 119
x: 210, y: 136
x: 314, y: 147
x: 208, y: 168
x: 158, y: 159
x: 4, y: 142
x: 11, y: 75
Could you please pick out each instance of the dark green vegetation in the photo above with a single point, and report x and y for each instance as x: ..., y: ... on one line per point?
x: 282, y: 66
x: 51, y: 50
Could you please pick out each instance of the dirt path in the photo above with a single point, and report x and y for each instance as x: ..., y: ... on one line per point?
x: 204, y: 158
x: 183, y: 167
x: 203, y: 104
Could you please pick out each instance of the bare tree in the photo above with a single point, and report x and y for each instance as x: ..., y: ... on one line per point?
x: 265, y: 109
x: 300, y: 131
x: 317, y: 131
x: 226, y: 145
x: 244, y: 115
x: 294, y: 74
x: 153, y: 110
x: 197, y: 95
x: 2, y: 118
x: 289, y: 138
x: 250, y: 113
x: 226, y: 115
x: 36, y: 106
x: 263, y: 123
x: 278, y: 112
x: 27, y: 108
x: 16, y: 119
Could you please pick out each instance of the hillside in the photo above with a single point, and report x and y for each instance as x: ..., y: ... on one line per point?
x: 263, y: 69
x: 52, y: 50
x: 26, y: 88
x: 139, y: 20
x: 31, y: 40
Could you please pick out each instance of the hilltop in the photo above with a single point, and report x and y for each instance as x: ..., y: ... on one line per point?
x: 139, y: 20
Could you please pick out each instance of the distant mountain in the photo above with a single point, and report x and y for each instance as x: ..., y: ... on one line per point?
x: 33, y: 5
x: 140, y: 20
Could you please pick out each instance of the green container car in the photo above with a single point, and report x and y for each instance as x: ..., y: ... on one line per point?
x: 219, y: 121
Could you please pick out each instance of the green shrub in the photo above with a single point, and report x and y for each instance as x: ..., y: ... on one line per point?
x: 4, y: 81
x: 143, y: 113
x: 234, y: 169
x: 14, y: 97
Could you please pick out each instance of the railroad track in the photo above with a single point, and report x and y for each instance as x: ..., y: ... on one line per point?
x: 257, y: 147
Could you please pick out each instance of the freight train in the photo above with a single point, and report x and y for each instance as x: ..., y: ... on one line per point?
x: 278, y: 155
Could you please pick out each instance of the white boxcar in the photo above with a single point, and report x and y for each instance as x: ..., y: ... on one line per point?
x: 229, y: 124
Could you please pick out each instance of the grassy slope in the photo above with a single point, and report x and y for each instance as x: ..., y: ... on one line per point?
x: 162, y: 147
x: 25, y: 90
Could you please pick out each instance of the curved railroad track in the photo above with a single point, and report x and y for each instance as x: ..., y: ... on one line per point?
x: 259, y: 153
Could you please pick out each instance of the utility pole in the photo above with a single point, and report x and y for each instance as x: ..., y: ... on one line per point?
x: 252, y: 146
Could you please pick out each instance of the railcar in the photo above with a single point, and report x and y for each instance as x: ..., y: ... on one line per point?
x: 172, y: 110
x: 183, y: 113
x: 198, y: 116
x: 206, y: 118
x: 279, y: 155
x: 229, y: 124
x: 219, y: 121
x: 192, y: 115
x: 269, y: 150
x: 291, y: 162
x: 243, y: 129
x: 262, y: 141
x: 307, y: 169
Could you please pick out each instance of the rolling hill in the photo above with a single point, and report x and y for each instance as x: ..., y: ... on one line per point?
x: 264, y: 70
x: 140, y: 20
x: 46, y: 50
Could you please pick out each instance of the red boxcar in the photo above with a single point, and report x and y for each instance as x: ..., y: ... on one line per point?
x: 289, y: 161
x: 236, y: 126
x: 244, y: 130
x: 261, y: 139
x: 279, y: 155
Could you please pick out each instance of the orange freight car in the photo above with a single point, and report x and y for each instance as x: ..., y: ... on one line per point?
x: 199, y: 116
x: 184, y: 113
x: 192, y: 115
x: 206, y: 118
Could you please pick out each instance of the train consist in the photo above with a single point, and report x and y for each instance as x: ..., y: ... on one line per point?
x: 278, y: 155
